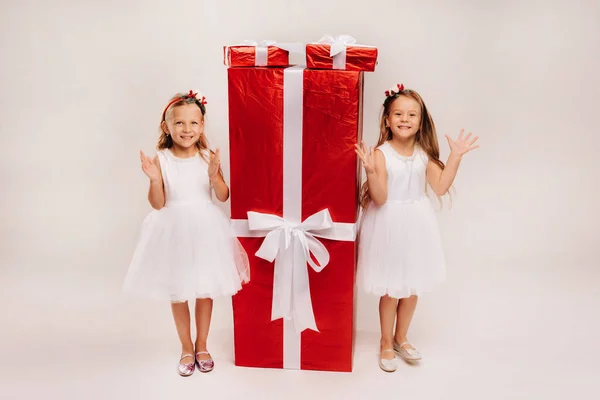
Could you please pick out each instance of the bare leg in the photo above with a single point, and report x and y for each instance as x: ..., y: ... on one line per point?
x: 203, y: 314
x: 387, y: 315
x: 181, y: 315
x: 404, y: 314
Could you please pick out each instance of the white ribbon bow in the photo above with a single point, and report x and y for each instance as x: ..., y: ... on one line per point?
x: 337, y: 43
x: 337, y: 49
x: 262, y: 43
x: 291, y: 246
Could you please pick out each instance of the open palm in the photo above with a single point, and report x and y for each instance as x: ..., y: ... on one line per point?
x: 149, y: 168
x: 462, y: 144
x: 367, y: 155
x: 214, y: 164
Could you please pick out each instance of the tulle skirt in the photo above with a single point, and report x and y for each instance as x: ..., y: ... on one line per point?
x: 400, y: 251
x: 186, y: 252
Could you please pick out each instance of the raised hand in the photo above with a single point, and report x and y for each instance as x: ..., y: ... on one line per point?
x: 463, y: 144
x: 149, y: 168
x: 367, y: 155
x: 214, y: 164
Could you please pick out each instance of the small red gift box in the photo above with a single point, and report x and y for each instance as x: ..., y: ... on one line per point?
x: 340, y: 52
x: 252, y: 54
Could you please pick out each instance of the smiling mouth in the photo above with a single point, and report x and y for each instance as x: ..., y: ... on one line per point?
x: 404, y: 127
x: 187, y: 137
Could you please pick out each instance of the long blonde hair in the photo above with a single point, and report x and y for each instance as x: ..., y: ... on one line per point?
x: 165, y: 141
x: 426, y: 136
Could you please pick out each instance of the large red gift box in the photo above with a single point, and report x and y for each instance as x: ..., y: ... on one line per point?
x: 340, y: 52
x: 294, y: 191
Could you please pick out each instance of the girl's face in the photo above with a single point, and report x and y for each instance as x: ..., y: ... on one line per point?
x: 404, y: 118
x: 185, y: 124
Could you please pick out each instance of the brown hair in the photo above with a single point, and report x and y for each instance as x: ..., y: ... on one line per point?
x: 426, y: 136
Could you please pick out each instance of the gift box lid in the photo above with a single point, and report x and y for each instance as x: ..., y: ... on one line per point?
x: 340, y: 52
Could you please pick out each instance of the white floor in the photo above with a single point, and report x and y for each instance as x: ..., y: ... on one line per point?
x: 507, y: 332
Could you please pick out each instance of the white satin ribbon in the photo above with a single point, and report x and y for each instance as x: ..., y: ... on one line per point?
x: 262, y: 50
x: 337, y: 49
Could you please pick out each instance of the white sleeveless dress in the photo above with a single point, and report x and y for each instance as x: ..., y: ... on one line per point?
x: 400, y: 251
x: 187, y: 249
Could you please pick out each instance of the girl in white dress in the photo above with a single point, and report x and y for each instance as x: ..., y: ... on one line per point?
x: 187, y: 249
x: 400, y: 253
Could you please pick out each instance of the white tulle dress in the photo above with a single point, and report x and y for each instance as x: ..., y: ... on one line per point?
x: 186, y: 249
x: 400, y: 251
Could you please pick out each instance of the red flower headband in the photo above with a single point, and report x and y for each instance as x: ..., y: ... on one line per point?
x: 393, y: 92
x: 191, y: 95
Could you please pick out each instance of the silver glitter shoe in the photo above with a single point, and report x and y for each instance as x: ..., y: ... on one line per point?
x: 186, y: 369
x: 204, y: 365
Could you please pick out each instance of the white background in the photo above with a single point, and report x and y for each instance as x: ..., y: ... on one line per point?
x: 83, y: 84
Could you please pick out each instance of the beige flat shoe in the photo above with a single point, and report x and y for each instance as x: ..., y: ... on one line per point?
x: 385, y: 364
x: 407, y: 354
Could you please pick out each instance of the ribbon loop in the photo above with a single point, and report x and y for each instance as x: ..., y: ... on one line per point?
x: 337, y: 43
x: 337, y: 48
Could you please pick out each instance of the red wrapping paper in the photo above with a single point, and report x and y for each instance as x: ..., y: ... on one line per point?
x: 332, y: 121
x: 245, y: 56
x: 357, y: 58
